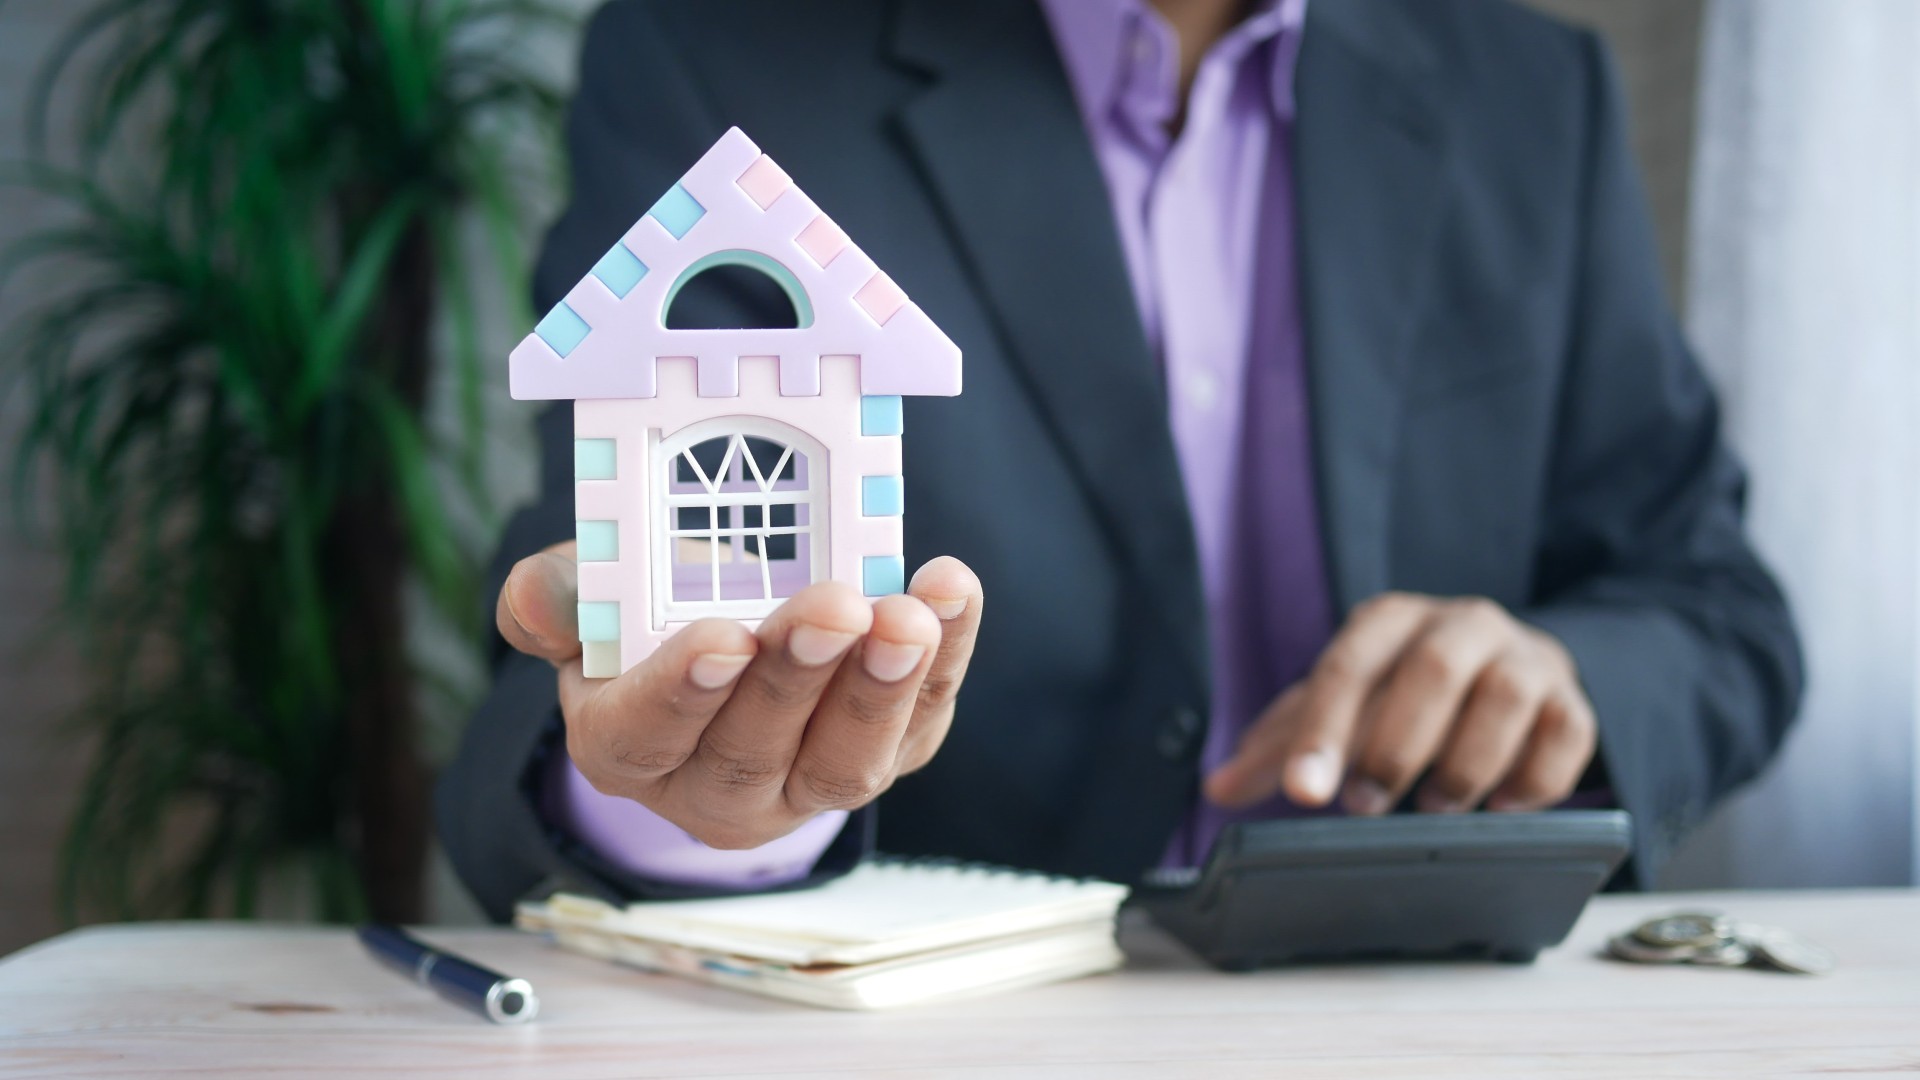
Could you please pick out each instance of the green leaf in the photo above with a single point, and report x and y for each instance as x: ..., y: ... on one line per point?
x: 469, y: 367
x: 345, y: 320
x: 435, y: 552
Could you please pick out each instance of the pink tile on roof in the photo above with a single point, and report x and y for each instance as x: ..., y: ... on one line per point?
x: 822, y: 240
x: 764, y: 181
x: 880, y: 297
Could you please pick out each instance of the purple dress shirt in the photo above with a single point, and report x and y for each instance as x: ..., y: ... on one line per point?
x: 1206, y: 221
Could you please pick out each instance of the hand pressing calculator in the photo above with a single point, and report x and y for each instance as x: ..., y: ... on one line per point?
x: 1417, y: 886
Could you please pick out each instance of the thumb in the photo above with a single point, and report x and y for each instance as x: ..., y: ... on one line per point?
x: 538, y: 609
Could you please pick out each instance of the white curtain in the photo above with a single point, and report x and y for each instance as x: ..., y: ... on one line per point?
x: 1804, y: 298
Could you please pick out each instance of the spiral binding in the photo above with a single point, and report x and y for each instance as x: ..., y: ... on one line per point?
x: 974, y: 866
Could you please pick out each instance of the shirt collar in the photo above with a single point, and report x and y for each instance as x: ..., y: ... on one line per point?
x: 1122, y: 58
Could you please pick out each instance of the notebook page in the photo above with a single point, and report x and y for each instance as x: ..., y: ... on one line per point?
x: 881, y: 909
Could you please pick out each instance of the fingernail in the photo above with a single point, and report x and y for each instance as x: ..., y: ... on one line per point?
x: 1501, y: 804
x: 1436, y: 803
x: 514, y: 613
x: 1365, y: 798
x: 534, y: 637
x: 890, y: 661
x: 811, y: 646
x: 1315, y: 774
x: 948, y: 609
x: 711, y: 671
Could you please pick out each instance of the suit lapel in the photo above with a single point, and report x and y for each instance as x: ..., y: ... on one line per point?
x: 1369, y: 151
x: 1001, y: 142
x: 1000, y: 139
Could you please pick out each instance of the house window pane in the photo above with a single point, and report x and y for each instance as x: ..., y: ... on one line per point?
x: 738, y: 509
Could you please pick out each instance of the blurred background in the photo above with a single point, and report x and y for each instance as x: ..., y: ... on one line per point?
x: 257, y: 344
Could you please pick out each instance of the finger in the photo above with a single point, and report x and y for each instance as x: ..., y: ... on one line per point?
x: 1421, y: 700
x: 1557, y: 752
x: 1303, y: 749
x: 1500, y: 711
x: 846, y: 757
x: 954, y: 594
x: 1258, y: 767
x: 537, y: 612
x: 627, y: 733
x: 741, y: 763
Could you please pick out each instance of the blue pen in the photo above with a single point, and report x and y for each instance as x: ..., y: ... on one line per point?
x: 463, y: 982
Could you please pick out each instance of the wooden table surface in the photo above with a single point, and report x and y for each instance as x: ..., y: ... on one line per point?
x: 225, y: 999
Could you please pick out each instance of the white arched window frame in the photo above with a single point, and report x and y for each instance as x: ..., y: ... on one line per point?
x: 726, y: 515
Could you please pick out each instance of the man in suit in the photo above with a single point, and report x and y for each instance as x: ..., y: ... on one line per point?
x: 1326, y: 442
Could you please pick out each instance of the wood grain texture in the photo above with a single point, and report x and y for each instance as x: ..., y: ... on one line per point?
x: 221, y: 999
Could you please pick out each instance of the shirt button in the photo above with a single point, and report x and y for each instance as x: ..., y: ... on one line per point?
x: 1142, y: 48
x: 1203, y: 390
x: 1179, y: 734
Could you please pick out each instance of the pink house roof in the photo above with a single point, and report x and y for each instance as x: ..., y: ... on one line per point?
x: 734, y: 206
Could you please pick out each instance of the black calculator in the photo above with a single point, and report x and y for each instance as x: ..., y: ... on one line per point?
x: 1481, y: 886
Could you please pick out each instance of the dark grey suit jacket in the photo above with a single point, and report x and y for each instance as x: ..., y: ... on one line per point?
x: 1502, y: 402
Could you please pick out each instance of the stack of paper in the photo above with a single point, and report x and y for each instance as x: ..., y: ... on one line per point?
x: 889, y: 933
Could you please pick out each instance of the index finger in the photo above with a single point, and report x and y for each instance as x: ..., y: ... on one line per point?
x: 1303, y: 748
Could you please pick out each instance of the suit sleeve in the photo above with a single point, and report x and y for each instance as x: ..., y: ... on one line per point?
x: 1683, y: 639
x: 637, y: 121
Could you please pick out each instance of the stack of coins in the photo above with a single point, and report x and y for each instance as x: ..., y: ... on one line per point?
x: 1710, y: 940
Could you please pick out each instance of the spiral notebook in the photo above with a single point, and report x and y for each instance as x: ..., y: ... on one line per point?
x: 889, y: 933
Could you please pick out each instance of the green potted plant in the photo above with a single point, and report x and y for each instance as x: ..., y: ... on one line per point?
x: 262, y: 262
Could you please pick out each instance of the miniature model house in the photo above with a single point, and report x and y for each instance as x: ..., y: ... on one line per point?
x: 718, y: 472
